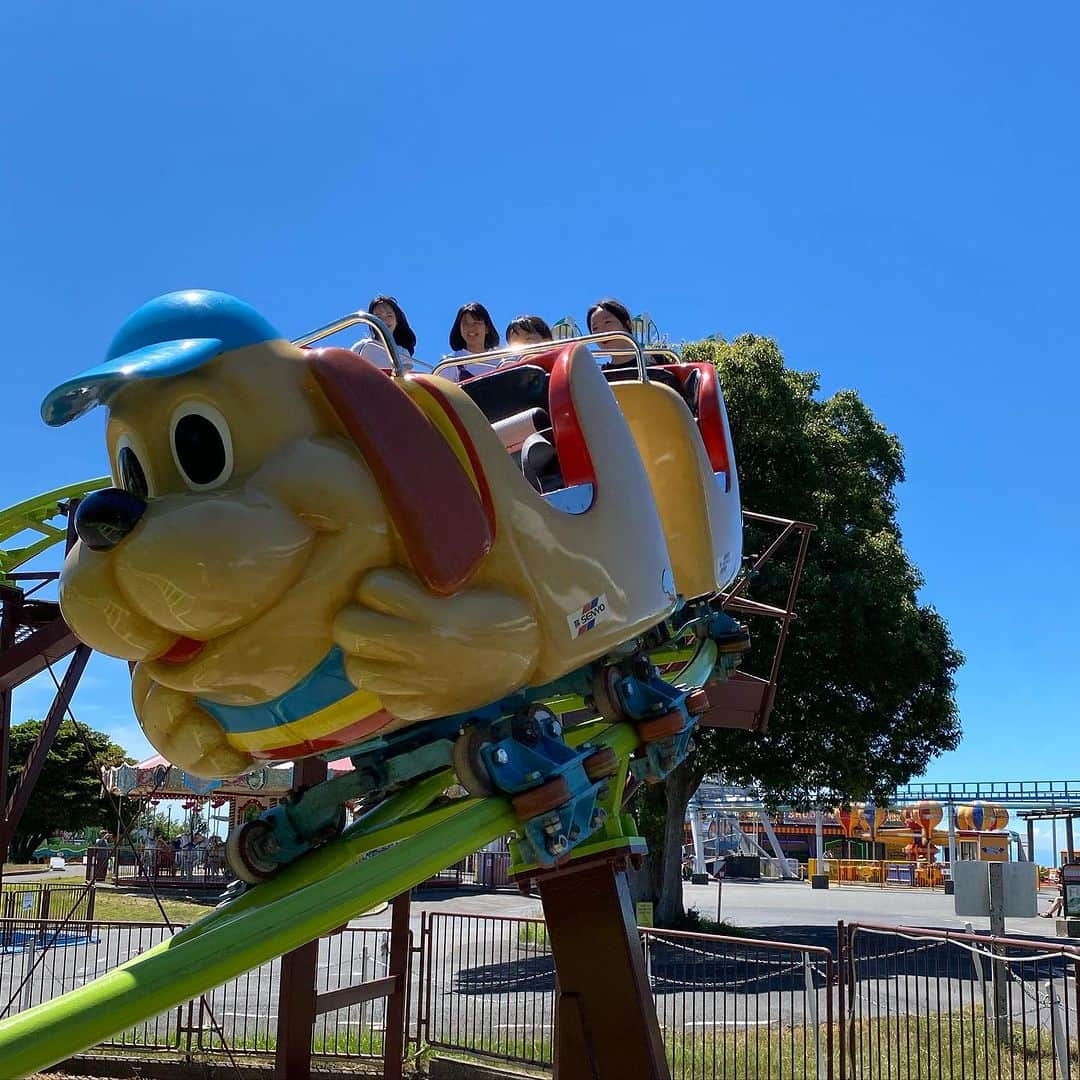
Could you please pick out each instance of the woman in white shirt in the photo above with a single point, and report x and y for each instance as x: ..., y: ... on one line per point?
x: 387, y: 309
x: 473, y: 332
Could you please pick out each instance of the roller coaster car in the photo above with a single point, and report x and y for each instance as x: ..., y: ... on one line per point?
x: 304, y: 555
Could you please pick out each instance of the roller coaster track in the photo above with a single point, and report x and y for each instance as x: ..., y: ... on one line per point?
x: 410, y: 836
x: 42, y: 515
x: 406, y: 839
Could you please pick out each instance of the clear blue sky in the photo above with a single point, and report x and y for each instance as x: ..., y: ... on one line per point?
x: 892, y: 195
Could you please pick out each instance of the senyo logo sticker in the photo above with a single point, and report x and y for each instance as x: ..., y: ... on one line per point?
x: 583, y: 620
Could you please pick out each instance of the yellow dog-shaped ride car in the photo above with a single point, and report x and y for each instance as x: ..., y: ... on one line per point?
x: 303, y: 551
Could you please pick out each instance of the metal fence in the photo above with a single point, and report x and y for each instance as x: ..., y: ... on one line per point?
x: 41, y: 960
x: 730, y: 1005
x: 240, y: 1014
x: 920, y: 1003
x: 725, y: 1004
x: 189, y: 866
x: 46, y: 900
x: 882, y: 872
x: 482, y: 870
x: 898, y: 1001
x: 489, y: 985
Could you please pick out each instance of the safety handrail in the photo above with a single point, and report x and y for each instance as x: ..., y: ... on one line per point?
x: 353, y: 319
x: 518, y: 351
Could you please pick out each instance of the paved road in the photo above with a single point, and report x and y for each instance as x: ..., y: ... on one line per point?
x: 788, y: 904
x: 489, y: 982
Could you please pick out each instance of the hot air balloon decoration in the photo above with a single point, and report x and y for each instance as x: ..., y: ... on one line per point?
x: 921, y: 818
x: 850, y: 819
x: 982, y: 816
x: 874, y: 816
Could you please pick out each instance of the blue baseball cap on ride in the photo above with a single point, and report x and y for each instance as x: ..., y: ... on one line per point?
x: 170, y: 335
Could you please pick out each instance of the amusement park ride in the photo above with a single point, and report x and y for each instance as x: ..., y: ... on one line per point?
x: 307, y: 557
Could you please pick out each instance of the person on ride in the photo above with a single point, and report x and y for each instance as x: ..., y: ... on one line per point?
x: 473, y: 332
x: 610, y: 314
x: 387, y: 309
x: 526, y: 330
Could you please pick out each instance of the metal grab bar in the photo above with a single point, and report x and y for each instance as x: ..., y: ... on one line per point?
x: 352, y: 319
x: 493, y: 357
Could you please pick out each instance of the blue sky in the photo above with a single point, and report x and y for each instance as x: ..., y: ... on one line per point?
x: 890, y: 194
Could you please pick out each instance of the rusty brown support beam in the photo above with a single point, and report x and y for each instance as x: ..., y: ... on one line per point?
x: 333, y: 1000
x: 296, y: 1013
x: 743, y: 606
x: 47, y: 645
x: 768, y: 519
x: 764, y: 557
x: 605, y: 1019
x: 297, y: 998
x: 397, y: 1003
x: 16, y: 804
x: 785, y: 624
x: 736, y: 702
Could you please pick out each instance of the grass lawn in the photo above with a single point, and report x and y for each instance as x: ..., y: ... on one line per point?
x: 113, y: 906
x: 954, y: 1046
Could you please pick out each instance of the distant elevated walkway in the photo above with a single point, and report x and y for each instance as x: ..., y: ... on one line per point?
x: 1013, y: 794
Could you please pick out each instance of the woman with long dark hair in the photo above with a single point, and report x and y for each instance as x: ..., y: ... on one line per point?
x: 389, y: 311
x: 610, y: 314
x: 472, y: 332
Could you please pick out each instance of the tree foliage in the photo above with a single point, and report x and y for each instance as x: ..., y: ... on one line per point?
x: 68, y: 795
x: 866, y: 694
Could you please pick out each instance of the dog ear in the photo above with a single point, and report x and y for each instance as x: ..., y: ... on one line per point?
x: 428, y: 494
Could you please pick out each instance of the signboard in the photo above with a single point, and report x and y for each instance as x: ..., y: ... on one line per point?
x: 1070, y: 884
x: 28, y: 901
x: 972, y: 889
x: 644, y: 913
x: 994, y: 847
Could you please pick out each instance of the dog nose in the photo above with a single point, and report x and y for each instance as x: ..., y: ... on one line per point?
x: 105, y: 517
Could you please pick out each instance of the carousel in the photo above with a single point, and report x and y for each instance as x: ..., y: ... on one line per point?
x: 200, y: 811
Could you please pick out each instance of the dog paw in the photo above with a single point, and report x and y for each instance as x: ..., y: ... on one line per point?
x: 184, y: 732
x: 428, y: 655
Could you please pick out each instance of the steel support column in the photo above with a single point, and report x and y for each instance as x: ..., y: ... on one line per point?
x: 397, y: 1002
x: 1069, y: 840
x: 297, y: 1005
x: 1031, y: 839
x: 605, y: 1019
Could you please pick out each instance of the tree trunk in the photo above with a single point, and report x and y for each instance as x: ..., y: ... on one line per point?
x: 23, y: 847
x: 677, y: 789
x: 660, y: 811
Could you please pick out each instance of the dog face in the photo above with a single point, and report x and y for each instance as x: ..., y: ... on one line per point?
x: 257, y: 519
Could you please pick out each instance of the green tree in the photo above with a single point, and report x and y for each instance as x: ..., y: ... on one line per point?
x: 866, y: 695
x: 68, y: 795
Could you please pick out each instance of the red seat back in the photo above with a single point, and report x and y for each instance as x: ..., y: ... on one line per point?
x: 575, y: 462
x: 708, y: 410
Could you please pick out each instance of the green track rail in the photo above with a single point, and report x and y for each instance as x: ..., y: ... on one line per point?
x: 38, y: 515
x: 400, y: 844
x: 409, y: 837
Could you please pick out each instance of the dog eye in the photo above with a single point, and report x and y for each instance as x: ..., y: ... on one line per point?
x: 130, y: 471
x: 201, y: 445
